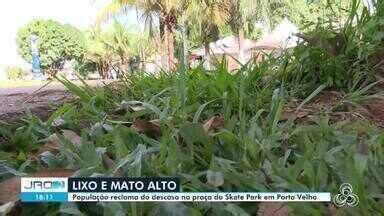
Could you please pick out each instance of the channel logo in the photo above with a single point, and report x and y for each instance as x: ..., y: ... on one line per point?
x: 44, y: 184
x: 44, y: 189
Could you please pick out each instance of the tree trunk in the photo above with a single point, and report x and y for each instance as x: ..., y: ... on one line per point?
x: 185, y: 44
x: 207, y: 55
x: 169, y: 36
x: 162, y: 43
x: 241, y: 46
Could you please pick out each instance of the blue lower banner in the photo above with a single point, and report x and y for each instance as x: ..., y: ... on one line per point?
x: 44, y: 197
x: 143, y: 189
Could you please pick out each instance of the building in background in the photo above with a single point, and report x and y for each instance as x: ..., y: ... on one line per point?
x: 227, y: 48
x: 282, y: 37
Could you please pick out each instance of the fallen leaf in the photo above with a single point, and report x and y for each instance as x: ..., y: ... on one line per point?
x: 214, y: 123
x: 149, y: 128
x: 10, y: 188
x: 273, y: 209
x: 72, y: 136
x: 52, y: 143
x: 110, y: 164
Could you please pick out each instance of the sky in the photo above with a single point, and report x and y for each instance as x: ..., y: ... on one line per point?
x: 15, y: 13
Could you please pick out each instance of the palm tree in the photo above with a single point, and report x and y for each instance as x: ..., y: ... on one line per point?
x: 166, y: 11
x: 243, y: 13
x: 208, y: 15
x: 236, y: 22
x: 98, y: 53
x: 119, y: 42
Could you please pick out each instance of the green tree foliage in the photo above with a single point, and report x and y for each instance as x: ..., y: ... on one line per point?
x: 208, y: 16
x: 57, y: 43
x: 167, y: 11
x: 115, y: 48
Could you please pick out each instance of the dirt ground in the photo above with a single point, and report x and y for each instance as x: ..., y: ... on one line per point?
x: 14, y: 101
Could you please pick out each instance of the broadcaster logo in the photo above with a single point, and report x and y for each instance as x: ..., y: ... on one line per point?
x: 44, y: 185
x: 346, y: 197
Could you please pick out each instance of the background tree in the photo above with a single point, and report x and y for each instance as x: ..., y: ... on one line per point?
x: 127, y: 47
x: 57, y: 43
x: 116, y: 49
x: 308, y: 14
x: 97, y: 52
x: 208, y: 15
x: 166, y: 11
x: 241, y: 14
x: 118, y: 42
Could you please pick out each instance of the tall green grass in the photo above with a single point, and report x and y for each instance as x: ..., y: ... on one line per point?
x: 255, y: 150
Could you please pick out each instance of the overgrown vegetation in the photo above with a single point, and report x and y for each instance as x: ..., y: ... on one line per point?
x: 302, y: 121
x: 196, y: 125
